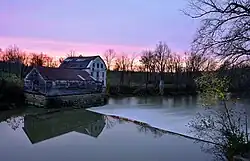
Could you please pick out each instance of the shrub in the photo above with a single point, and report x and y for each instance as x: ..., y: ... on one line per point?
x: 222, y: 124
x: 11, y: 95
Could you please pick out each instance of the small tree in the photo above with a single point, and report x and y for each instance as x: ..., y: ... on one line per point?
x: 223, y: 124
x: 109, y: 57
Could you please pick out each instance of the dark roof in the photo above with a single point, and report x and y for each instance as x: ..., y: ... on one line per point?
x: 63, y: 74
x: 80, y: 62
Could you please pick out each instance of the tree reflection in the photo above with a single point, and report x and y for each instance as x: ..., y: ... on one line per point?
x: 110, y: 122
x: 145, y: 128
x: 15, y: 122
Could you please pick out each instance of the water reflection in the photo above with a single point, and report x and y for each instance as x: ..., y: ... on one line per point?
x: 42, y: 127
x: 118, y: 139
x: 160, y: 102
x: 15, y: 122
x: 142, y: 127
x: 14, y: 118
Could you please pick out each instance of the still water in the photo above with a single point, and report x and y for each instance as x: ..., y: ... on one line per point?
x: 94, y: 135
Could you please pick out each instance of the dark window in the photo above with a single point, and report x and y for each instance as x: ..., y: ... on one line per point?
x: 102, y: 74
x: 101, y: 65
x: 93, y: 65
x: 97, y: 74
x: 97, y: 65
x: 92, y: 74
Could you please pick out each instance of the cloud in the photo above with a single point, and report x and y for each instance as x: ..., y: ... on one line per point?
x: 60, y: 48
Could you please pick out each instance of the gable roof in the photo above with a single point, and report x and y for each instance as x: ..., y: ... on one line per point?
x: 63, y: 74
x: 80, y: 62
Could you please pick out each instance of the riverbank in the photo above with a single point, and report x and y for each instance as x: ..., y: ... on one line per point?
x: 67, y: 101
x: 151, y: 90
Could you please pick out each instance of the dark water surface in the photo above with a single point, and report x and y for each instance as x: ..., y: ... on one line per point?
x: 84, y: 135
x: 171, y: 114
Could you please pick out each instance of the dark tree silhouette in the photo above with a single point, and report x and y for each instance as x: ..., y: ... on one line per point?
x: 37, y: 60
x: 225, y: 28
x: 109, y: 57
x: 147, y: 60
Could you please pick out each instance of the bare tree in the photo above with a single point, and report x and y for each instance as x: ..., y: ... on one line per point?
x: 225, y: 28
x: 211, y: 65
x: 50, y: 61
x: 122, y: 65
x: 195, y: 62
x: 147, y: 60
x: 37, y: 59
x: 109, y: 57
x: 16, y: 59
x: 162, y: 55
x: 132, y: 62
x: 72, y: 53
x: 177, y: 68
x: 140, y: 68
x: 14, y: 54
x: 131, y: 69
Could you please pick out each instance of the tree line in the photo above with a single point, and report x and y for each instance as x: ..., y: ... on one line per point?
x: 153, y: 64
x: 14, y: 54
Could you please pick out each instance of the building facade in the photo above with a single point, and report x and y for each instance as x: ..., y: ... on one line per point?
x: 94, y: 65
x: 57, y: 81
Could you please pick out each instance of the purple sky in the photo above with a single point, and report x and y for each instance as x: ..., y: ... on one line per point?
x: 58, y: 26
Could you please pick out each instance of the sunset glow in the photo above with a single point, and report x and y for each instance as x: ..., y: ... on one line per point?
x: 89, y: 28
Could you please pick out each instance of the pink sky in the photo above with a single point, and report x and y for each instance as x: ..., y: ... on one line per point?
x: 61, y: 48
x: 90, y: 27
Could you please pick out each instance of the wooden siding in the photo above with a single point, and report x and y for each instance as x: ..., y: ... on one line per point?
x: 35, y: 83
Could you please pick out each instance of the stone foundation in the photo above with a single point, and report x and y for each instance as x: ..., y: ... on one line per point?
x: 35, y: 99
x: 67, y: 101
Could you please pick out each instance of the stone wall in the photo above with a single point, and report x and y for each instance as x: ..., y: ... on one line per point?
x: 35, y: 99
x: 67, y: 101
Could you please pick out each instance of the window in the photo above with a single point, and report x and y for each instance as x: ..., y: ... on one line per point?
x: 97, y: 74
x: 97, y: 65
x: 102, y: 74
x: 101, y: 65
x: 92, y: 74
x: 93, y: 65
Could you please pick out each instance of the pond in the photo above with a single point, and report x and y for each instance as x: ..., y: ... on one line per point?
x: 93, y: 134
x: 168, y: 113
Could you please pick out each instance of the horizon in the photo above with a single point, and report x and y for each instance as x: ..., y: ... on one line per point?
x: 90, y: 29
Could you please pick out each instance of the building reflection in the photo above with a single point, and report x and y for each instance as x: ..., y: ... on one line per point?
x: 46, y: 126
x: 42, y: 127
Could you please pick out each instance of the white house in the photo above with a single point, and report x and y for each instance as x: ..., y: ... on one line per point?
x: 94, y: 65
